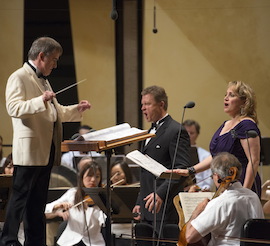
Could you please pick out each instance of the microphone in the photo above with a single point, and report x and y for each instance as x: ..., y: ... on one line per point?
x: 154, y: 29
x: 190, y: 105
x: 251, y: 134
x: 114, y: 14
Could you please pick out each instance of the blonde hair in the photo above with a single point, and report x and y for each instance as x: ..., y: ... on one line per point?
x: 245, y: 92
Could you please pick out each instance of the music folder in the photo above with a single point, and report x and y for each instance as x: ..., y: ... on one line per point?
x: 123, y: 199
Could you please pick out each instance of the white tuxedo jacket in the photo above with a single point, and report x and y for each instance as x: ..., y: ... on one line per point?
x: 32, y: 119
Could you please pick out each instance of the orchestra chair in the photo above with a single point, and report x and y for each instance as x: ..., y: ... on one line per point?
x: 171, y: 233
x: 60, y: 230
x: 144, y: 231
x: 177, y: 204
x: 62, y: 178
x: 181, y: 224
x: 255, y: 229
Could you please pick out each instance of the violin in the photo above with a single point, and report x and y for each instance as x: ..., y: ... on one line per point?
x: 88, y: 201
x: 224, y: 184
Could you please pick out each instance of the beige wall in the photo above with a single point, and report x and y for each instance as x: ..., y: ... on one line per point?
x: 93, y: 40
x: 202, y: 45
x: 11, y: 56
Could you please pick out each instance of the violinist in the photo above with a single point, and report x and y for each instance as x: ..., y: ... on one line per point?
x: 121, y: 171
x: 8, y: 167
x: 226, y: 214
x: 70, y: 207
x: 121, y: 175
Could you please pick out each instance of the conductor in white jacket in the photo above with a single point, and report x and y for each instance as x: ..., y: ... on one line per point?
x: 37, y: 134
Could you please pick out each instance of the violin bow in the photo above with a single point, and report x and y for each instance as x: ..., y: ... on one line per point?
x: 241, y: 239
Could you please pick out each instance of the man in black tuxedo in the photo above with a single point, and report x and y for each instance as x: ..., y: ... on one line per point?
x: 161, y: 148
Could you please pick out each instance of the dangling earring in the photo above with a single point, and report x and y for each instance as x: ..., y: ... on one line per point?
x: 242, y: 110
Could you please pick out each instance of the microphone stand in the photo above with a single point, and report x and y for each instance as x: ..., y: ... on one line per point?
x: 252, y: 134
x: 188, y: 105
x: 155, y: 211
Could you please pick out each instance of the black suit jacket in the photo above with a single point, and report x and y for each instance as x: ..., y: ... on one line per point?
x: 162, y: 149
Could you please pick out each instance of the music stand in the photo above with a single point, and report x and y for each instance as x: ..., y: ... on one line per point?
x: 194, y: 158
x: 266, y: 151
x: 99, y: 146
x: 5, y: 191
x: 122, y: 201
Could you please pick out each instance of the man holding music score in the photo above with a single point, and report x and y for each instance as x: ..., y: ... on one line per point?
x: 161, y: 148
x: 37, y: 135
x: 225, y: 215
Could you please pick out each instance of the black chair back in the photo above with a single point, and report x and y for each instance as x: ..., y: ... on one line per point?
x: 255, y: 229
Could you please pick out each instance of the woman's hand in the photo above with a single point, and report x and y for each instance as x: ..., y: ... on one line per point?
x: 182, y: 172
x: 62, y: 205
x: 62, y: 213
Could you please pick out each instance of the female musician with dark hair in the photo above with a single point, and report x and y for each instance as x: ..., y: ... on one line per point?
x: 7, y: 168
x: 240, y: 103
x: 121, y: 171
x: 77, y: 232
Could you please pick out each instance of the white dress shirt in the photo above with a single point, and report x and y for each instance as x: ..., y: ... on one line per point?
x: 226, y: 214
x: 76, y: 229
x: 205, y: 175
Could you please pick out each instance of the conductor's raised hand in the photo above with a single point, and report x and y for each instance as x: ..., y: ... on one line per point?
x: 83, y: 105
x: 150, y: 202
x: 48, y: 95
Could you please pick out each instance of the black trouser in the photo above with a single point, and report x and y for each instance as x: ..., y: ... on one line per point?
x: 27, y: 203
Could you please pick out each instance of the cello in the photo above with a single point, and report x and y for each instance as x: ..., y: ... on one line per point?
x: 224, y: 184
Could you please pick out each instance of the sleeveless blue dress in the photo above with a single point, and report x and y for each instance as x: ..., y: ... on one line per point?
x: 230, y: 142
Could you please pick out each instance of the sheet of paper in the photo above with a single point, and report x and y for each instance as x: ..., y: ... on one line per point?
x: 190, y: 200
x: 114, y: 133
x: 146, y: 162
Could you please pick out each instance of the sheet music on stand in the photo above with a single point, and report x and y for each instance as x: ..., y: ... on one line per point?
x: 265, y: 146
x: 107, y: 146
x: 194, y: 158
x: 123, y: 199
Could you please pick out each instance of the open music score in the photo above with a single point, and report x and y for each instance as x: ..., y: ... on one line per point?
x: 98, y: 146
x: 102, y: 145
x: 105, y: 141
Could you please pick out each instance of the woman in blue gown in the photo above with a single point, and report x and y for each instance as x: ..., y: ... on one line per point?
x: 240, y: 103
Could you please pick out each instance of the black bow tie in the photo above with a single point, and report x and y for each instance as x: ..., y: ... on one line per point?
x: 38, y: 73
x: 154, y: 125
x: 157, y: 125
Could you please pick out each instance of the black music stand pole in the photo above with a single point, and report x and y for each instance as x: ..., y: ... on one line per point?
x: 108, y: 198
